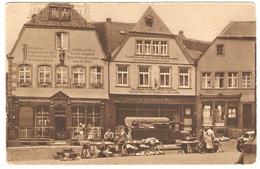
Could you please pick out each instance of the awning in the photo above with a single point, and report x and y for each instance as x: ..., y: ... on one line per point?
x: 145, y: 120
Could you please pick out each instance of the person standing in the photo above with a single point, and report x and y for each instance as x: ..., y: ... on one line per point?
x: 109, y: 135
x: 201, y: 137
x: 209, y: 139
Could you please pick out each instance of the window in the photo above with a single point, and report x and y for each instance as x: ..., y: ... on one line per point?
x: 219, y: 115
x: 156, y: 47
x: 57, y: 13
x: 78, y: 121
x: 78, y: 77
x: 62, y: 40
x: 24, y: 76
x: 26, y: 122
x: 246, y: 79
x: 42, y: 120
x: 206, y: 80
x: 232, y: 80
x: 147, y: 47
x: 220, y: 50
x: 207, y: 115
x: 163, y: 47
x: 93, y: 123
x: 219, y: 80
x: 44, y: 76
x: 139, y: 46
x: 96, y: 77
x: 151, y: 47
x: 164, y: 77
x: 232, y: 116
x: 62, y: 76
x: 122, y: 75
x: 143, y: 76
x: 65, y: 13
x: 149, y: 21
x: 184, y: 77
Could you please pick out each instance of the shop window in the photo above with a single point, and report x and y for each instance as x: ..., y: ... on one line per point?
x: 220, y: 50
x: 78, y: 77
x: 164, y: 77
x: 156, y: 47
x: 93, y: 123
x: 139, y: 47
x: 207, y: 115
x: 62, y: 41
x: 44, y: 76
x: 26, y: 122
x: 122, y: 75
x: 219, y: 80
x: 232, y: 80
x: 25, y: 79
x: 206, y: 80
x: 246, y: 79
x: 144, y: 76
x: 62, y: 76
x: 184, y: 77
x: 42, y: 120
x: 147, y: 47
x: 96, y: 74
x: 164, y: 47
x: 78, y: 122
x: 219, y: 115
x: 232, y: 116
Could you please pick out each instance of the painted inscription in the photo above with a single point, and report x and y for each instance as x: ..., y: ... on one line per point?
x: 156, y: 59
x: 153, y: 91
x: 39, y: 54
x: 79, y: 55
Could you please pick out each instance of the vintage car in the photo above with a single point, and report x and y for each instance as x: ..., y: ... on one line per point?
x: 243, y: 139
x: 160, y: 128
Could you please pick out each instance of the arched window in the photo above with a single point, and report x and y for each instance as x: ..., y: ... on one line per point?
x: 25, y: 79
x: 44, y: 76
x: 62, y: 76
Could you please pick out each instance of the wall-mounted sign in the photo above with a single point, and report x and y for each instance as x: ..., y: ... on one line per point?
x: 34, y: 100
x: 40, y: 54
x: 79, y: 55
x: 154, y: 90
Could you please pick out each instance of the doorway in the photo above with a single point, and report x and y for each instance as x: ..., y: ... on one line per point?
x: 247, y: 115
x: 60, y: 128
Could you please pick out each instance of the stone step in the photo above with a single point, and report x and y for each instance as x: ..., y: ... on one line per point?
x: 60, y: 143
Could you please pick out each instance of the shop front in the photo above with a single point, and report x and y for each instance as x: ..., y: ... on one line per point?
x: 58, y: 118
x: 228, y: 115
x: 175, y: 108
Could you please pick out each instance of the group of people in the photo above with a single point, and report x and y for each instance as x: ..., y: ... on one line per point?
x: 109, y: 136
x: 206, y: 137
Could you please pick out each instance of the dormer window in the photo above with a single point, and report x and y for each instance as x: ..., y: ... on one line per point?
x: 60, y: 13
x: 149, y: 21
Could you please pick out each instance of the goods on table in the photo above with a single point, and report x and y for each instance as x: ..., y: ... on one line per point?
x: 66, y: 155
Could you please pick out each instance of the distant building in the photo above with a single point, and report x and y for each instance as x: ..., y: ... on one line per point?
x: 57, y: 79
x: 151, y: 71
x: 226, y: 81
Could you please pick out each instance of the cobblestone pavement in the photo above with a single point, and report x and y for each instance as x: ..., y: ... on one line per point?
x: 44, y: 155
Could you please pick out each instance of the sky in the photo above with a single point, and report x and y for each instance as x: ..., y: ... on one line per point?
x: 202, y: 21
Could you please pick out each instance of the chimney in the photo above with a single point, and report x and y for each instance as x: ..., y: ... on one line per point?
x: 108, y: 19
x: 181, y: 36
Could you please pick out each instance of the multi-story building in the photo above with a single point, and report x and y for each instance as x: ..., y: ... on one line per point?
x: 226, y: 83
x: 151, y: 73
x: 57, y: 79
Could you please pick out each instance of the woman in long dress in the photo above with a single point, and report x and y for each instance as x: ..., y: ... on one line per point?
x: 209, y: 139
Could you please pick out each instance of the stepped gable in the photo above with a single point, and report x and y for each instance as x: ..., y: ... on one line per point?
x: 111, y: 34
x: 239, y: 29
x: 151, y: 23
x: 43, y: 19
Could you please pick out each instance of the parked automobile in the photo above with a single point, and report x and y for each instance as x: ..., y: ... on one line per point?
x: 243, y: 139
x: 248, y: 154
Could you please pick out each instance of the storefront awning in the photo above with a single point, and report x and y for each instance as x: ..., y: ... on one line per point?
x: 145, y: 120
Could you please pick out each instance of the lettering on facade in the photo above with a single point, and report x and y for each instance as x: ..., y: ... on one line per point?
x: 34, y: 100
x: 156, y: 59
x: 79, y: 55
x: 39, y: 54
x: 155, y: 100
x: 154, y: 91
x: 84, y: 101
